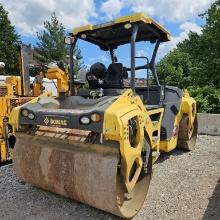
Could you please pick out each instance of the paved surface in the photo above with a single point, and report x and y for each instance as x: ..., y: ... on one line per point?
x: 185, y: 185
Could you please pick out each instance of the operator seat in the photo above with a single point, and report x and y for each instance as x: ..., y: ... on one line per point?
x: 115, y: 75
x: 96, y: 75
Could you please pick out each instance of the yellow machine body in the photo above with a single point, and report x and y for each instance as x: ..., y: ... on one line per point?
x: 99, y: 149
x: 112, y: 166
x: 14, y: 85
x: 115, y: 144
x: 187, y: 108
x: 8, y: 100
x: 61, y: 77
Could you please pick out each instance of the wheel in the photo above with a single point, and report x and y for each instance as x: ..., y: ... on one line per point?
x: 88, y: 173
x: 187, y: 138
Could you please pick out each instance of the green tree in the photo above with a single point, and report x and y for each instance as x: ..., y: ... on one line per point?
x: 195, y: 63
x: 207, y: 97
x: 50, y: 46
x: 210, y: 40
x: 177, y: 67
x: 9, y: 41
x: 205, y: 48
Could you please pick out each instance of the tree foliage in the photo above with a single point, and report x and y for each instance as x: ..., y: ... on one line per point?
x: 177, y: 67
x: 207, y: 97
x: 50, y: 46
x: 195, y: 63
x: 9, y: 41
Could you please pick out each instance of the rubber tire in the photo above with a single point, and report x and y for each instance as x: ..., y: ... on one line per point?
x: 187, y: 141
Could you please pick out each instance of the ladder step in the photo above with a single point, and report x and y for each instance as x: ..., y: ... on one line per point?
x: 155, y: 123
x: 155, y: 138
x: 155, y: 154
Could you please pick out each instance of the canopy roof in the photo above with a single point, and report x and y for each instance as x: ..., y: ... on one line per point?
x: 118, y: 32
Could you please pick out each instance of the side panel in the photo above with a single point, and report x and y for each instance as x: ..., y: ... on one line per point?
x: 116, y: 127
x: 187, y: 107
x: 172, y: 105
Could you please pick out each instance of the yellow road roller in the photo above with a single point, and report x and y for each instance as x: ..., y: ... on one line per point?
x: 97, y: 145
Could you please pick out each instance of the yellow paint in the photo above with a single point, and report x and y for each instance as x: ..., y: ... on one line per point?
x: 11, y: 96
x: 14, y: 118
x: 150, y: 127
x: 3, y: 151
x: 61, y: 77
x: 116, y: 128
x: 134, y: 18
x: 187, y: 105
x: 14, y: 82
x: 87, y: 27
x: 7, y: 104
x: 9, y: 100
x: 37, y: 89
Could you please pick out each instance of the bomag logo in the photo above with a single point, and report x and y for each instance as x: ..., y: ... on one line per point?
x: 55, y: 122
x: 46, y: 121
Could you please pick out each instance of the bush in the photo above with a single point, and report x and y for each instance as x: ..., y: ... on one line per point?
x: 207, y: 97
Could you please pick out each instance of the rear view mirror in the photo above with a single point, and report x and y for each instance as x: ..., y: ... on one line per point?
x: 68, y: 40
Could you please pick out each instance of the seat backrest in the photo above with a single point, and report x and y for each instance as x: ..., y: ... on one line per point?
x: 115, y: 69
x: 95, y: 75
x: 92, y: 80
x: 114, y: 76
x: 172, y: 104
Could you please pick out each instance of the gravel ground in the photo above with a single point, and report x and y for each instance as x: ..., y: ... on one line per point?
x: 185, y: 185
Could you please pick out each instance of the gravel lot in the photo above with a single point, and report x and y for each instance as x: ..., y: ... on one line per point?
x: 185, y: 185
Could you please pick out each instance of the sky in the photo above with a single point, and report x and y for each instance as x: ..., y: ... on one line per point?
x: 178, y: 17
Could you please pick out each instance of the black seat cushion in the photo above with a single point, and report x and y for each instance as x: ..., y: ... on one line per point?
x: 114, y: 76
x: 95, y: 74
